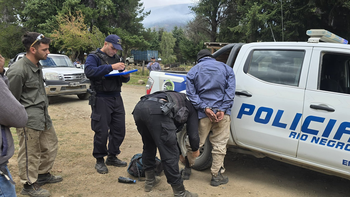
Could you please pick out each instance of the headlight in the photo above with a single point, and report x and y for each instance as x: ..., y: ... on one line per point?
x: 53, y: 76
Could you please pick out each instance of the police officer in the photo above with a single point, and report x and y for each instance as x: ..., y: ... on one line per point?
x: 158, y: 117
x: 108, y: 113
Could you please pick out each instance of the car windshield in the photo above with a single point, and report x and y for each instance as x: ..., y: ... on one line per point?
x: 57, y: 61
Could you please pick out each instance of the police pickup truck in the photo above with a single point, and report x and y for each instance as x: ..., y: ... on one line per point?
x: 291, y: 102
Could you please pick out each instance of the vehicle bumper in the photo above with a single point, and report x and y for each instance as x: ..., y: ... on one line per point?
x: 66, y: 88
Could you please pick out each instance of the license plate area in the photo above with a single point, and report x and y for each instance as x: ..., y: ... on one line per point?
x: 73, y: 84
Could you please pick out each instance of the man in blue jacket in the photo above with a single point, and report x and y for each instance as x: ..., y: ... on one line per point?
x: 211, y: 88
x: 108, y: 113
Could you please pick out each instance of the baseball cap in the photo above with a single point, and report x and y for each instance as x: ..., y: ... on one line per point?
x: 115, y: 40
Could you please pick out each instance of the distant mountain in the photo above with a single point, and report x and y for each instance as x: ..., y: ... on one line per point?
x: 168, y: 17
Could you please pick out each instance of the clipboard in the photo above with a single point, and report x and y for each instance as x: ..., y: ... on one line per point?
x: 122, y: 73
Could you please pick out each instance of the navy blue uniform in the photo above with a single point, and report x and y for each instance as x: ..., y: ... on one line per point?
x: 159, y: 131
x: 108, y: 113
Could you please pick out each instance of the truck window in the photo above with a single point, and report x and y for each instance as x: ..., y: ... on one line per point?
x: 276, y: 66
x: 335, y: 72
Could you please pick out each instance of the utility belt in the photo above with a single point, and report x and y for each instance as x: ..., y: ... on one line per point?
x: 160, y: 100
x: 166, y: 106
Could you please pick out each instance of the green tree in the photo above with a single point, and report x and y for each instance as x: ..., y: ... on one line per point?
x: 10, y: 39
x: 255, y: 19
x: 179, y: 35
x: 194, y: 38
x: 214, y: 13
x: 153, y: 38
x: 11, y: 29
x: 167, y: 48
x: 73, y: 36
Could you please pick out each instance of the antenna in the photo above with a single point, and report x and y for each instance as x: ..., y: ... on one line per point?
x: 273, y: 36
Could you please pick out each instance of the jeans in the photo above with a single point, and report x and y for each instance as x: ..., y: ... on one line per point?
x: 6, y: 188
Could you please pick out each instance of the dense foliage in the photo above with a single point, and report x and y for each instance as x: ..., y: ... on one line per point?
x: 79, y: 26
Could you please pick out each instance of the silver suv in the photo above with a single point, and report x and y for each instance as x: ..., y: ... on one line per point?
x: 61, y: 76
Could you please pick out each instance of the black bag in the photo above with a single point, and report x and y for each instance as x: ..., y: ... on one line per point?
x: 135, y: 167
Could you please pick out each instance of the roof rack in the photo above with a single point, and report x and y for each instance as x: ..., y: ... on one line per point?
x: 321, y: 34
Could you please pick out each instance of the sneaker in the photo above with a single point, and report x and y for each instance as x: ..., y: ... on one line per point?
x: 218, y: 180
x: 48, y: 178
x: 114, y: 161
x: 101, y: 168
x: 34, y: 190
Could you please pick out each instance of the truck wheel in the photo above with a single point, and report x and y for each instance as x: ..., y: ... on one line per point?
x: 205, y: 159
x: 84, y: 96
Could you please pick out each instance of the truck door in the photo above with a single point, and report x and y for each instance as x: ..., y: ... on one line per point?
x: 326, y: 122
x: 270, y: 87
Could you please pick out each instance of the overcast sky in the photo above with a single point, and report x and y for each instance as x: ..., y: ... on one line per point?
x: 154, y: 3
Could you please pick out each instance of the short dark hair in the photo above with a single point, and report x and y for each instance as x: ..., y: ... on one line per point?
x: 30, y: 37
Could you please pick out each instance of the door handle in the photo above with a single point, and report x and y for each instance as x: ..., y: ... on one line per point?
x: 320, y: 107
x: 243, y: 93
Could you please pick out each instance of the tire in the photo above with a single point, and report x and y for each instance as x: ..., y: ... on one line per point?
x: 204, y: 159
x: 84, y: 96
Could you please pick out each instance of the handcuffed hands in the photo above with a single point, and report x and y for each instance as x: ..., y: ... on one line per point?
x: 211, y: 115
x: 220, y: 115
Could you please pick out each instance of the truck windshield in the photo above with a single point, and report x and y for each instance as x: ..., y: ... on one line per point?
x: 57, y: 61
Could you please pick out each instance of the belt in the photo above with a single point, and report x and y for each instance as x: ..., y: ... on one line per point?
x: 162, y: 101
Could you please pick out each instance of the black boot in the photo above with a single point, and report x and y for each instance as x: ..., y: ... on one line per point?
x: 34, y: 190
x: 151, y: 180
x: 179, y: 191
x: 186, y: 172
x: 101, y: 166
x: 112, y: 160
x: 218, y: 179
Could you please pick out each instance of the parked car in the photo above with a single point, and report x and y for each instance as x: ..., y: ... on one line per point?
x: 129, y: 60
x: 61, y: 76
x: 291, y: 102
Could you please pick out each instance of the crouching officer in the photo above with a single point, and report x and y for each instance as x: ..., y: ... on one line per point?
x: 158, y: 117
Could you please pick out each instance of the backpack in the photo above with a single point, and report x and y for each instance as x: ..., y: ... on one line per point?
x: 135, y: 167
x: 180, y: 111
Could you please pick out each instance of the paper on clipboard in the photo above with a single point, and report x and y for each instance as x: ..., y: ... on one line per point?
x: 117, y: 73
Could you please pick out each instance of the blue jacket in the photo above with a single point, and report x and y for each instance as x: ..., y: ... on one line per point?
x: 212, y: 84
x: 154, y: 66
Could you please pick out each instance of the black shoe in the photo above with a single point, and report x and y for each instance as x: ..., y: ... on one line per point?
x: 34, y: 190
x: 218, y: 180
x: 101, y: 168
x: 186, y: 173
x: 114, y: 161
x: 48, y: 178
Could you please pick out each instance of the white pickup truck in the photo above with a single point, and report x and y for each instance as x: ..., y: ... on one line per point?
x: 61, y: 76
x: 291, y: 102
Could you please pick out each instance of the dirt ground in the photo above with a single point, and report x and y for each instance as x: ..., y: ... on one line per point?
x: 248, y: 176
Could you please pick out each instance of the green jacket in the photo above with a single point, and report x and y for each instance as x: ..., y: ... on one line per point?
x: 27, y: 85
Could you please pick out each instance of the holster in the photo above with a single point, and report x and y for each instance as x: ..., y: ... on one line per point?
x: 92, y: 98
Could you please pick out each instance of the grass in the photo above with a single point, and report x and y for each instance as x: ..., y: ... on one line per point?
x: 136, y: 76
